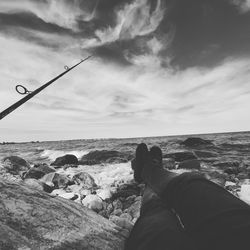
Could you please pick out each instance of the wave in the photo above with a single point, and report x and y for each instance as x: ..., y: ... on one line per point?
x: 53, y: 154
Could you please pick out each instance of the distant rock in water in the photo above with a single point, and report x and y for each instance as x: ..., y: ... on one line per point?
x: 15, y: 165
x: 190, y: 164
x: 32, y: 219
x: 196, y: 142
x: 65, y: 160
x: 104, y: 156
x: 38, y: 171
x: 181, y: 156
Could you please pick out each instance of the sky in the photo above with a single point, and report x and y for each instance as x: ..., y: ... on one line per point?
x: 159, y: 67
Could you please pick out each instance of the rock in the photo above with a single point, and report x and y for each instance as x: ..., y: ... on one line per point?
x: 232, y: 170
x: 126, y: 216
x: 117, y: 212
x: 74, y: 188
x: 190, y: 164
x: 244, y: 193
x: 129, y: 201
x: 134, y: 209
x: 117, y: 204
x: 110, y: 209
x: 121, y: 222
x: 196, y: 142
x: 55, y: 180
x: 104, y: 194
x: 84, y: 192
x: 64, y: 160
x: 38, y: 171
x: 204, y: 154
x: 69, y: 196
x: 34, y: 184
x: 15, y: 165
x: 104, y: 156
x: 32, y: 219
x: 217, y: 177
x: 126, y: 190
x: 242, y: 176
x: 168, y: 163
x: 181, y: 156
x: 93, y: 202
x: 85, y: 180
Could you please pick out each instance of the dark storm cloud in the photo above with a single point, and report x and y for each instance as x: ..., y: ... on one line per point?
x: 205, y: 31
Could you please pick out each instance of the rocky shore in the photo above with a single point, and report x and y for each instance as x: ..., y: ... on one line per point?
x: 97, y: 211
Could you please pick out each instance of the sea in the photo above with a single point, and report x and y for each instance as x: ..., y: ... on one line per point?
x: 228, y: 147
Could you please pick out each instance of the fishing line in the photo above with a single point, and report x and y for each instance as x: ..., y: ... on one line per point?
x: 29, y: 94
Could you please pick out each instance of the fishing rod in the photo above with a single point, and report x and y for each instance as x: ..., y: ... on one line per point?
x: 29, y: 94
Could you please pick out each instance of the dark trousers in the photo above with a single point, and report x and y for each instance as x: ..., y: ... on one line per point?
x: 193, y: 213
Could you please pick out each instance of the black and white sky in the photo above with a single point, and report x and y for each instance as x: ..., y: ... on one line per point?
x: 159, y: 67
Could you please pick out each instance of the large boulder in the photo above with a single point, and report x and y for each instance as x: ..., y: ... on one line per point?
x: 85, y: 180
x: 196, y: 142
x: 32, y: 219
x: 15, y: 165
x: 38, y: 171
x: 104, y: 156
x: 65, y: 160
x: 181, y: 156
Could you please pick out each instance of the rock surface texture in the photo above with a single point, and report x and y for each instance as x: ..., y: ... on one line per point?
x: 32, y: 219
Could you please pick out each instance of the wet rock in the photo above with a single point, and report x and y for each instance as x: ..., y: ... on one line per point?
x: 93, y: 202
x: 196, y: 142
x: 64, y: 160
x: 85, y: 180
x: 129, y: 201
x: 190, y: 164
x: 168, y: 163
x: 55, y: 180
x: 32, y: 219
x: 104, y: 156
x: 181, y: 156
x: 38, y: 171
x: 15, y: 165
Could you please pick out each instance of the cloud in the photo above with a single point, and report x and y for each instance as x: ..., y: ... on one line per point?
x: 243, y: 4
x: 63, y: 13
x: 132, y: 20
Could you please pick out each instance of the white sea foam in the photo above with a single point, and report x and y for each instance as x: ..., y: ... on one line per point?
x: 53, y: 154
x: 105, y: 176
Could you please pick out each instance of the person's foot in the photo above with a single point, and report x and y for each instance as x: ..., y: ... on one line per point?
x: 138, y: 162
x: 148, y: 168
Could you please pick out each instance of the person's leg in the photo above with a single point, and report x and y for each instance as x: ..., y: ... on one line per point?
x: 157, y: 227
x: 209, y: 213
